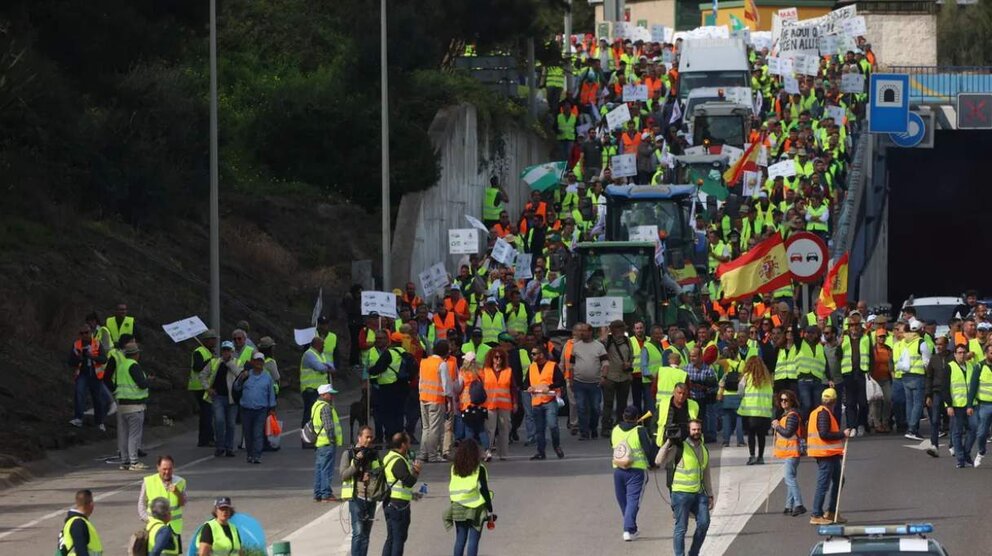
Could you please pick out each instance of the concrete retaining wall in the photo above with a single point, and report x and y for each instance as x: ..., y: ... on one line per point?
x: 903, y: 40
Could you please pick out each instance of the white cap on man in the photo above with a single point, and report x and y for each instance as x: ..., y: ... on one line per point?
x: 326, y: 389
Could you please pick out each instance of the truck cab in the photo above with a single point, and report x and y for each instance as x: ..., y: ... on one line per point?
x: 721, y: 123
x: 624, y: 269
x: 663, y: 206
x: 712, y: 63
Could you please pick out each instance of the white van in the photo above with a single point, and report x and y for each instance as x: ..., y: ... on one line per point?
x: 713, y: 63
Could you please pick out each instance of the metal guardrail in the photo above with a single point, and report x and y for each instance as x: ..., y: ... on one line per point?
x: 941, y: 84
x: 928, y: 7
x: 843, y: 236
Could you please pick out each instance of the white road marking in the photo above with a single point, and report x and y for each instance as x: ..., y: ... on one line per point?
x: 743, y: 490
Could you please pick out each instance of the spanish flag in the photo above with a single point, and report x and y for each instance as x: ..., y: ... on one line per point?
x: 685, y: 275
x: 751, y: 12
x: 763, y: 268
x: 747, y: 162
x: 833, y: 294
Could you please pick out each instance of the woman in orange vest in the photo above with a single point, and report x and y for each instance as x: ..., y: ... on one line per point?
x: 500, y: 401
x: 788, y: 433
x: 470, y: 417
x: 825, y: 442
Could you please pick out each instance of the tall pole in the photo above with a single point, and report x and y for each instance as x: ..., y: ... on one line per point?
x: 531, y: 79
x: 566, y: 46
x: 214, y: 186
x: 384, y: 115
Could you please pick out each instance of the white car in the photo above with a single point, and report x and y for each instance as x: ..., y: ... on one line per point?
x: 939, y: 309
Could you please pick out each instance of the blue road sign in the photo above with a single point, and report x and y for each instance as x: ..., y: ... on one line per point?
x: 888, y: 106
x: 914, y: 135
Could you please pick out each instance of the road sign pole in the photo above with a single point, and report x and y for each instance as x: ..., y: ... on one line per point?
x: 805, y: 299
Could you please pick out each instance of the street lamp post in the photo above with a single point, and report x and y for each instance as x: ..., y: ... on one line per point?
x: 384, y: 116
x: 214, y: 187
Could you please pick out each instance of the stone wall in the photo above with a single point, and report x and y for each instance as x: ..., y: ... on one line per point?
x: 903, y: 39
x: 420, y: 237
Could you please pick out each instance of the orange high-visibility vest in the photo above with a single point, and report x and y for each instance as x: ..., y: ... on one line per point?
x: 817, y: 447
x: 630, y: 143
x: 497, y: 389
x: 786, y: 448
x: 566, y: 355
x: 468, y: 377
x: 431, y: 390
x: 588, y: 92
x: 544, y: 376
x: 460, y: 309
x: 442, y: 327
x: 94, y: 352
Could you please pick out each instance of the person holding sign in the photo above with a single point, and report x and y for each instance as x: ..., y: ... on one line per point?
x: 199, y: 359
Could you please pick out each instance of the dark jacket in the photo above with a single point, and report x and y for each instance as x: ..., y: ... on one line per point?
x: 823, y: 427
x: 938, y: 374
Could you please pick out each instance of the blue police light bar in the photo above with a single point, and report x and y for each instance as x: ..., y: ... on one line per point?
x: 874, y: 530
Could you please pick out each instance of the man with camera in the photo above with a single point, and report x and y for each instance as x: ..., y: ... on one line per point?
x: 675, y: 413
x: 690, y: 483
x: 358, y: 470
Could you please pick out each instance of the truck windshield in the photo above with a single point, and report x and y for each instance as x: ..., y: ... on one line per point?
x: 629, y: 275
x: 663, y: 213
x: 691, y: 80
x: 718, y: 130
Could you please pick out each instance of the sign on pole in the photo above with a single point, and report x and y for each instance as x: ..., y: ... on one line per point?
x: 888, y: 104
x: 434, y: 279
x: 914, y: 135
x: 503, y: 252
x: 381, y: 303
x: 807, y: 254
x: 303, y: 336
x: 463, y: 241
x: 974, y: 111
x: 623, y: 165
x: 601, y: 311
x: 182, y: 330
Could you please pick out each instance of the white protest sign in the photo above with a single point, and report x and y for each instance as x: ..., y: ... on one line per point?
x: 852, y: 83
x: 643, y: 233
x: 640, y: 34
x: 623, y: 165
x: 381, y: 303
x: 773, y: 65
x: 633, y: 93
x: 763, y: 156
x: 657, y: 33
x: 601, y: 311
x: 798, y: 40
x: 503, y: 252
x: 733, y: 153
x: 751, y: 183
x: 303, y: 336
x: 695, y: 151
x: 617, y: 117
x: 807, y: 65
x: 789, y: 14
x: 786, y: 168
x: 837, y: 113
x: 791, y: 85
x: 854, y: 27
x: 463, y: 241
x: 182, y: 330
x: 434, y: 279
x: 828, y: 45
x: 622, y: 30
x: 761, y: 39
x: 476, y: 223
x: 786, y: 66
x: 521, y: 266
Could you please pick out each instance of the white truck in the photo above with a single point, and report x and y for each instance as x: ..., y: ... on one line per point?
x: 712, y: 63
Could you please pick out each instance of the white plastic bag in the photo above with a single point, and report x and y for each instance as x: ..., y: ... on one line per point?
x: 873, y: 391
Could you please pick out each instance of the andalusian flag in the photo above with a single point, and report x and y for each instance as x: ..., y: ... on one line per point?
x: 751, y: 12
x: 762, y: 269
x: 543, y: 177
x: 833, y: 294
x: 736, y: 24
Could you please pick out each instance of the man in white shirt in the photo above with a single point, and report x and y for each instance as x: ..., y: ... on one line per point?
x: 913, y: 359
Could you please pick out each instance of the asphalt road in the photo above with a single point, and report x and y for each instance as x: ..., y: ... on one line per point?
x: 554, y: 506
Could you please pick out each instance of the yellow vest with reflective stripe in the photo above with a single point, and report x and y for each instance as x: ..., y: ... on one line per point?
x: 633, y: 439
x: 814, y: 224
x: 95, y: 547
x: 153, y: 527
x: 757, y: 401
x: 897, y: 347
x: 864, y: 348
x: 222, y: 545
x: 916, y: 365
x: 516, y: 321
x: 491, y: 209
x: 391, y: 374
x: 491, y: 326
x: 127, y: 327
x: 810, y: 362
x: 656, y: 360
x: 668, y: 377
x: 555, y: 77
x: 465, y: 490
x: 194, y: 374
x: 785, y: 367
x: 566, y: 128
x: 348, y: 487
x: 330, y: 343
x: 311, y: 379
x: 985, y: 383
x: 960, y: 380
x: 689, y: 470
x: 154, y: 488
x: 397, y: 490
x: 126, y: 387
x: 318, y: 425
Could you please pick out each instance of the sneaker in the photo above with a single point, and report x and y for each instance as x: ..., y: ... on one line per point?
x: 742, y: 445
x: 913, y: 436
x: 218, y: 453
x: 932, y: 452
x: 635, y: 535
x: 627, y: 537
x: 595, y: 434
x: 798, y: 510
x: 76, y: 422
x: 112, y: 409
x: 559, y: 452
x: 102, y: 427
x: 850, y: 432
x: 959, y: 465
x: 538, y: 456
x: 489, y: 456
x: 138, y: 467
x: 978, y: 459
x: 124, y: 466
x: 861, y: 430
x: 819, y: 520
x: 787, y: 511
x: 583, y: 437
x: 951, y: 449
x: 229, y: 453
x: 726, y: 444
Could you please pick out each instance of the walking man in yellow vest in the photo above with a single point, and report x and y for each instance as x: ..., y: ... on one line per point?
x: 164, y: 483
x: 326, y: 424
x: 960, y: 407
x: 78, y: 535
x: 688, y: 462
x: 131, y: 391
x: 633, y: 452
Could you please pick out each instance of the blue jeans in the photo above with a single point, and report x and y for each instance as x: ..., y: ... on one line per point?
x: 362, y: 514
x: 683, y: 504
x: 914, y: 385
x: 225, y: 415
x: 397, y: 527
x: 588, y: 398
x: 466, y: 537
x: 827, y: 478
x: 545, y: 416
x: 793, y: 496
x: 628, y: 485
x: 732, y: 422
x: 89, y: 385
x: 253, y: 429
x: 898, y: 402
x: 528, y: 415
x: 963, y: 434
x: 709, y: 412
x: 809, y: 396
x: 984, y: 421
x: 936, y: 414
x: 323, y: 472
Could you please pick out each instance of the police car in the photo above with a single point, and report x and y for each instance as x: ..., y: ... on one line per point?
x: 877, y: 540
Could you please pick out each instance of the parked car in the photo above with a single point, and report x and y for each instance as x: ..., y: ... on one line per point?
x: 939, y: 309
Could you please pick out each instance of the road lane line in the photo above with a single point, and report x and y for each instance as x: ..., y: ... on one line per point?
x: 742, y: 492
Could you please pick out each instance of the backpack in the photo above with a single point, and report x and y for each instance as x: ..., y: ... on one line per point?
x: 477, y: 393
x: 308, y: 434
x: 732, y: 380
x: 622, y: 457
x: 138, y: 545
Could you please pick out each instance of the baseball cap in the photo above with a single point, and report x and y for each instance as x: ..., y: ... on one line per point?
x: 984, y: 326
x: 829, y: 395
x: 468, y: 357
x: 490, y: 299
x: 476, y: 332
x: 223, y: 502
x: 326, y: 389
x: 227, y: 344
x: 266, y: 342
x: 131, y: 349
x: 505, y: 337
x: 915, y: 325
x: 258, y: 355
